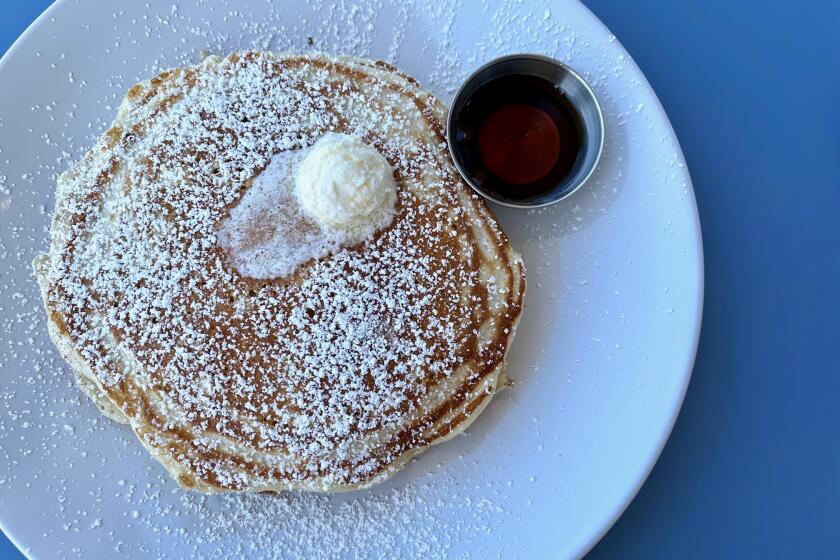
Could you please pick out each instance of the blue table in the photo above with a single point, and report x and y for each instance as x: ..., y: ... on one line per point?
x: 753, y: 92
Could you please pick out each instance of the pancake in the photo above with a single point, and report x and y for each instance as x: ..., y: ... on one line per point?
x: 328, y: 378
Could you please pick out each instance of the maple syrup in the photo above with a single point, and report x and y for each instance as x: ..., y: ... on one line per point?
x: 518, y: 136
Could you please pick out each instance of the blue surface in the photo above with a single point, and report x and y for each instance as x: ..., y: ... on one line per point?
x: 753, y: 91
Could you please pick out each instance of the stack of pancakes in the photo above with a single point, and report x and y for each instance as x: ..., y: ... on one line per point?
x: 329, y: 378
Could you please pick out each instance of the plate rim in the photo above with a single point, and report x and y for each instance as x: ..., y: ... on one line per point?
x: 4, y: 61
x: 698, y: 311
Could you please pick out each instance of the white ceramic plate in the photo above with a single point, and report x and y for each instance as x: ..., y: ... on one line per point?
x: 602, y: 358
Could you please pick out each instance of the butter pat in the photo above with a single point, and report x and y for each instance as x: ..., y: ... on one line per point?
x: 345, y: 184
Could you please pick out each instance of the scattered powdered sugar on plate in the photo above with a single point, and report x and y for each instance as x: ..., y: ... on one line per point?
x: 51, y: 438
x: 401, y: 522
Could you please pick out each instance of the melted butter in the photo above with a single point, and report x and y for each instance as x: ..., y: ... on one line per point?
x: 268, y: 234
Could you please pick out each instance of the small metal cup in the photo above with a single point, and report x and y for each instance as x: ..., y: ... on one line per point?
x: 578, y: 93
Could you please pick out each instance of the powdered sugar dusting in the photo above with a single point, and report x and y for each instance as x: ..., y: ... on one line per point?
x: 321, y: 383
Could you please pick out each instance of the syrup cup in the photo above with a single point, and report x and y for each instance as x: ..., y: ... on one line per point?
x: 576, y: 91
